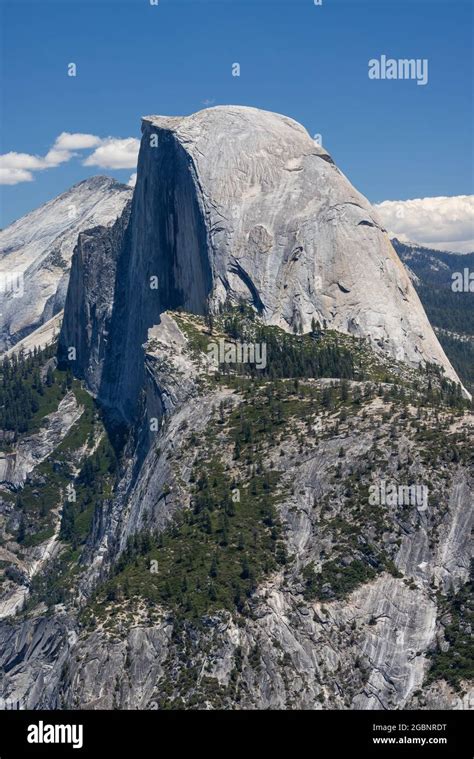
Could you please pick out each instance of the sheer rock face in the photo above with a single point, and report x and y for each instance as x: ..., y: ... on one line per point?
x: 90, y: 299
x: 286, y: 229
x: 236, y: 202
x: 39, y: 246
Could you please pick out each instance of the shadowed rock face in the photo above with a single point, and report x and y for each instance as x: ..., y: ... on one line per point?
x: 234, y: 202
x: 39, y: 247
x: 163, y: 264
x: 91, y: 297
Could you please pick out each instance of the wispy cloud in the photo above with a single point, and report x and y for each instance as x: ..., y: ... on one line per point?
x: 444, y: 223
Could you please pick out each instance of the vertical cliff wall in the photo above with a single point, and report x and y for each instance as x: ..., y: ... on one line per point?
x: 84, y: 337
x: 39, y: 246
x: 232, y: 203
x: 164, y: 263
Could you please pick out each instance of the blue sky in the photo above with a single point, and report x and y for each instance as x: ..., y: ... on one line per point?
x: 394, y: 139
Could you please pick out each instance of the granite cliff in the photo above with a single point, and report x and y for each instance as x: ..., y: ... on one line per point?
x: 223, y: 548
x: 232, y: 203
x: 38, y: 249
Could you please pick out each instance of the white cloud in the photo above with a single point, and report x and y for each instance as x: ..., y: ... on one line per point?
x: 54, y: 157
x: 29, y: 162
x: 133, y: 180
x: 76, y: 141
x: 20, y: 161
x: 14, y: 176
x: 17, y: 167
x: 444, y: 223
x: 109, y: 153
x: 115, y: 154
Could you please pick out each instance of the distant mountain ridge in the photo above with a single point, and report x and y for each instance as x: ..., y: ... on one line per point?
x: 450, y: 313
x: 421, y: 246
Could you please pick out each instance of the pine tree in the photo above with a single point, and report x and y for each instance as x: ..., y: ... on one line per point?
x: 213, y: 569
x: 50, y: 376
x: 21, y: 530
x: 245, y: 574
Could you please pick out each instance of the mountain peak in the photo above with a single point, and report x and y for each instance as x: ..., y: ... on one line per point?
x: 238, y: 204
x: 254, y: 127
x: 283, y: 228
x: 98, y: 181
x: 39, y: 247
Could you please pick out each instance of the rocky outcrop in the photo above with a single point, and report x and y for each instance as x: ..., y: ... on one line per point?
x: 17, y: 463
x: 231, y: 203
x: 39, y: 338
x: 366, y: 651
x: 284, y: 229
x: 90, y: 299
x: 36, y: 251
x: 43, y: 646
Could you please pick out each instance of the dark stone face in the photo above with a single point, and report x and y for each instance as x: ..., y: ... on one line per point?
x: 161, y: 263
